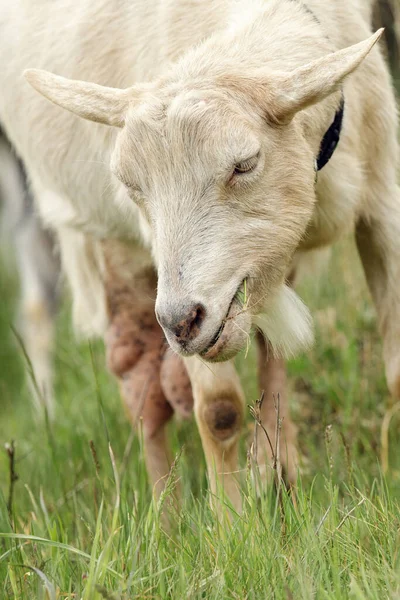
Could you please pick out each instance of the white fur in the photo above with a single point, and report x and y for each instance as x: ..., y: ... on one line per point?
x: 287, y: 323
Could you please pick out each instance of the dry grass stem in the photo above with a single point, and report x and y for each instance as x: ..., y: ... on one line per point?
x: 322, y: 521
x: 13, y: 477
x: 347, y: 515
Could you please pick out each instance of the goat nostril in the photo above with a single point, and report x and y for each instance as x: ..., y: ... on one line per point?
x: 199, y: 316
x: 188, y: 328
x: 184, y: 323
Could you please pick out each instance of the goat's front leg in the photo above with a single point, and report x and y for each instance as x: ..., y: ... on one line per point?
x: 219, y: 411
x: 378, y: 241
x: 273, y: 385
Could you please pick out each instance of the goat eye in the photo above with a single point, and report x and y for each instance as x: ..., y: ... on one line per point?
x: 133, y: 188
x: 134, y: 192
x: 246, y: 166
x: 129, y: 185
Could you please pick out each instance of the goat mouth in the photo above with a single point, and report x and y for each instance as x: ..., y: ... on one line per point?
x: 236, y: 304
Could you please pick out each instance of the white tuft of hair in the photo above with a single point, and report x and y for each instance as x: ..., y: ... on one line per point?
x: 287, y: 323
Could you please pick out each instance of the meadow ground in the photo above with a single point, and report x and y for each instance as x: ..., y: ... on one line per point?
x: 81, y: 527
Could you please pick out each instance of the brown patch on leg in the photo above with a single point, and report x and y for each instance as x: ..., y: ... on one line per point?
x: 223, y: 419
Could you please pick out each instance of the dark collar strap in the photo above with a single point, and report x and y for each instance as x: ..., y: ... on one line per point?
x: 331, y: 138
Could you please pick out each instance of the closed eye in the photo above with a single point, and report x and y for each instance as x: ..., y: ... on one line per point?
x: 132, y: 187
x: 123, y: 179
x: 243, y: 168
x: 133, y: 190
x: 246, y: 166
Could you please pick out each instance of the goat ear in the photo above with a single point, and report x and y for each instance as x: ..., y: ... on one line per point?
x: 87, y: 100
x: 315, y: 81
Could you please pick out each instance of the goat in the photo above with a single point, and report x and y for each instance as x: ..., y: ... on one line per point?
x: 205, y: 169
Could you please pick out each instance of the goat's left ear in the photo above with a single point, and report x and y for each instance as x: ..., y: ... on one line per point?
x: 88, y: 100
x: 315, y: 81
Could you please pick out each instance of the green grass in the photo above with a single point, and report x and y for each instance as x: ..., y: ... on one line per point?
x: 82, y: 528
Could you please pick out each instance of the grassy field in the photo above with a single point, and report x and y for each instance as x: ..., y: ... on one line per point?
x: 85, y: 527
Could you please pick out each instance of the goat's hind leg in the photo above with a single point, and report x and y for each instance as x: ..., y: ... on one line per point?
x: 38, y: 269
x: 273, y: 385
x: 39, y: 275
x: 378, y: 241
x: 378, y: 228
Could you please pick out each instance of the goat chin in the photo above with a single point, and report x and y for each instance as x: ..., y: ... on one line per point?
x: 287, y: 323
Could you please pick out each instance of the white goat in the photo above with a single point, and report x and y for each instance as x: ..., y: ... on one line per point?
x: 210, y: 161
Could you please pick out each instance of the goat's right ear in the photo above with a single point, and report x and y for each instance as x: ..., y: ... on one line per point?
x: 87, y: 100
x: 315, y: 81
